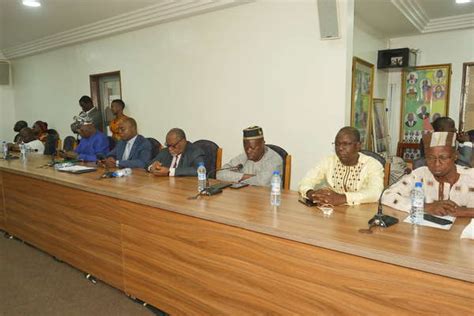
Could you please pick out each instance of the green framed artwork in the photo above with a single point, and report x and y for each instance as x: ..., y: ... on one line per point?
x: 425, y: 97
x: 361, y: 99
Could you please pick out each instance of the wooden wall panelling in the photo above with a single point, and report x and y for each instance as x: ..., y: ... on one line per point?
x: 80, y: 228
x: 185, y: 265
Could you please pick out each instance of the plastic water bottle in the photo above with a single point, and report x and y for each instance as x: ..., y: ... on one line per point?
x: 275, y: 195
x: 417, y: 204
x: 5, y: 150
x: 201, y: 176
x: 23, y: 150
x: 121, y: 173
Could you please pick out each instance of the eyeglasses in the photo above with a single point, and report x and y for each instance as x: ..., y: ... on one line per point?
x: 441, y: 159
x: 175, y: 144
x: 343, y: 144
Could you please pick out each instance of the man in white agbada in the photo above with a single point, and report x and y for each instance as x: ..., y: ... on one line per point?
x: 448, y: 188
x: 258, y: 162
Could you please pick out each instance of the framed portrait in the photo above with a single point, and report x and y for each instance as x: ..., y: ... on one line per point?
x: 425, y: 97
x: 380, y: 128
x: 361, y: 99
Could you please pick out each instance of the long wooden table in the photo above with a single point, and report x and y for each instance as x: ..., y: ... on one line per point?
x: 232, y: 253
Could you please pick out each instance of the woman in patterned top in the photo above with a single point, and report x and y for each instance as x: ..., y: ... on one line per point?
x: 348, y: 177
x: 117, y: 109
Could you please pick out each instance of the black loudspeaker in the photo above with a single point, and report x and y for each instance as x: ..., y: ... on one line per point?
x: 328, y: 19
x: 4, y: 73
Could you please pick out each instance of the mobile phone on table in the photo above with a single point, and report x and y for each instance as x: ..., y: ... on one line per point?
x: 238, y: 185
x: 436, y: 220
x: 307, y: 202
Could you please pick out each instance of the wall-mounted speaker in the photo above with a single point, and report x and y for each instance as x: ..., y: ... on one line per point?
x: 4, y: 73
x: 328, y: 19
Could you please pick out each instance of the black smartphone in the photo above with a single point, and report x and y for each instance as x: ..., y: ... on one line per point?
x: 307, y: 202
x: 238, y: 185
x: 437, y: 220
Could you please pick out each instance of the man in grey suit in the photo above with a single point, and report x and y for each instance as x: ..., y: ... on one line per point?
x: 179, y: 158
x: 132, y: 151
x: 88, y: 111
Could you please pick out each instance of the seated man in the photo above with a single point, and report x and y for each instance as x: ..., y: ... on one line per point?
x: 32, y: 144
x: 448, y: 188
x: 348, y: 177
x: 179, y: 158
x: 17, y: 128
x: 132, y: 151
x: 93, y: 143
x: 446, y: 124
x: 258, y: 162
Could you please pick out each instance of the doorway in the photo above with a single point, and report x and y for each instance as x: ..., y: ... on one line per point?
x: 105, y: 88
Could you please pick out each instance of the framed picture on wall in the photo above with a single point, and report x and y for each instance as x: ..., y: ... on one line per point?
x: 380, y: 128
x: 425, y: 97
x: 361, y: 99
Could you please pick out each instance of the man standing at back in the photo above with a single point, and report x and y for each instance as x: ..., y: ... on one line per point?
x: 132, y: 151
x: 179, y: 158
x: 89, y: 111
x: 258, y: 162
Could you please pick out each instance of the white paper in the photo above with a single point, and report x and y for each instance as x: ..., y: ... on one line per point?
x: 434, y: 225
x: 468, y: 232
x: 75, y: 168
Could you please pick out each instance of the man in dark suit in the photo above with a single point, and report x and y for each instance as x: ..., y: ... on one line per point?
x: 132, y: 151
x: 179, y: 158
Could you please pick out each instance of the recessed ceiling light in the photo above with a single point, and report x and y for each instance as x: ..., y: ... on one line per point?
x: 32, y: 3
x: 463, y: 1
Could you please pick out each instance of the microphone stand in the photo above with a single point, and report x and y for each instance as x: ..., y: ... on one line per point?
x: 381, y: 219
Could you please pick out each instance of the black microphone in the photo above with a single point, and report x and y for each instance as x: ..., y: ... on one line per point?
x: 381, y: 219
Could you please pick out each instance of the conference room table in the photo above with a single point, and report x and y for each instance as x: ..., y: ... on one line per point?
x: 233, y: 253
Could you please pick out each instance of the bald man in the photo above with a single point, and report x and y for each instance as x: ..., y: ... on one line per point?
x: 448, y: 188
x: 348, y: 177
x: 132, y: 151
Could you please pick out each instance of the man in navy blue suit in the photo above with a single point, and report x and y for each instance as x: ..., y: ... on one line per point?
x: 132, y: 151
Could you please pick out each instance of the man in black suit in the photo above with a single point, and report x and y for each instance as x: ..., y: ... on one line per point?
x: 132, y: 151
x: 179, y: 158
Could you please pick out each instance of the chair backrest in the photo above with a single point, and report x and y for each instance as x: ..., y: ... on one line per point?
x: 70, y: 143
x: 50, y: 145
x: 286, y: 176
x: 111, y: 142
x: 213, y: 155
x: 385, y: 164
x: 155, y: 146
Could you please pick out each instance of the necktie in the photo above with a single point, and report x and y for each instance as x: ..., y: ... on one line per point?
x: 127, y: 150
x: 175, y: 163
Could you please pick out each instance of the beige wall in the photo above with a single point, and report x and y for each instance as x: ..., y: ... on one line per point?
x: 213, y: 74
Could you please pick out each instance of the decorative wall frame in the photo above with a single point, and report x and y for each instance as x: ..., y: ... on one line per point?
x: 361, y: 99
x: 425, y: 97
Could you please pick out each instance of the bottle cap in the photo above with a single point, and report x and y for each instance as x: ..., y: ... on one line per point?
x: 276, y: 172
x: 200, y: 164
x: 418, y: 184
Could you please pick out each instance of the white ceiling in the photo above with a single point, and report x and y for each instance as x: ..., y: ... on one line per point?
x: 20, y: 24
x: 396, y: 18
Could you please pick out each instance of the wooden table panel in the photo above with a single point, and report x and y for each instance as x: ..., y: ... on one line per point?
x: 78, y: 227
x: 194, y: 267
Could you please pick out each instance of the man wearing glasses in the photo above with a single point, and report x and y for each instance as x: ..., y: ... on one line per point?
x: 179, y: 158
x: 348, y: 177
x: 448, y: 188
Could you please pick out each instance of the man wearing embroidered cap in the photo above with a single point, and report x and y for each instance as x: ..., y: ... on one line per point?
x: 448, y: 188
x: 93, y: 142
x: 258, y: 162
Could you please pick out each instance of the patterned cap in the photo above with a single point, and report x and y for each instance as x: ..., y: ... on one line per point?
x: 439, y: 139
x: 253, y: 132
